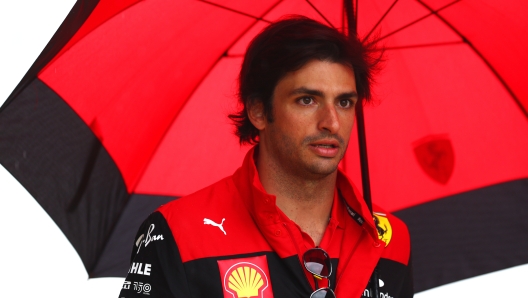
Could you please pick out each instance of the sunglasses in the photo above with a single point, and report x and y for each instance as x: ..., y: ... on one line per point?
x: 317, y: 262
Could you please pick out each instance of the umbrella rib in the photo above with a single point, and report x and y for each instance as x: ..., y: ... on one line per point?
x: 236, y: 11
x: 465, y: 40
x: 343, y: 16
x: 356, y: 13
x: 245, y: 31
x: 381, y: 19
x: 447, y: 43
x: 198, y: 85
x: 431, y: 12
x: 320, y: 14
x: 343, y: 13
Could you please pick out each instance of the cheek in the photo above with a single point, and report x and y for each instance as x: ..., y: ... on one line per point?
x: 347, y: 126
x: 294, y: 122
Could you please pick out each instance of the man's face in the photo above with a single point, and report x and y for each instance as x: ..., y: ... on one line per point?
x: 313, y: 115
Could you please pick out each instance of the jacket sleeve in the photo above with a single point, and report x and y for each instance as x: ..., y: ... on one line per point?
x: 156, y: 269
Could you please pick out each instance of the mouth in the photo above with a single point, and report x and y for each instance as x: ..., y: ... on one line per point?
x: 325, y: 148
x: 325, y: 145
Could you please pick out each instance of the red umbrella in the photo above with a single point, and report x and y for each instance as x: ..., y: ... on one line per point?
x: 126, y: 109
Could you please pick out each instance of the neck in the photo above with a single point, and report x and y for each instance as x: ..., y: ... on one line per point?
x: 304, y: 199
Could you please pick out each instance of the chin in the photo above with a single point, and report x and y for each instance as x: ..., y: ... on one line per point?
x: 322, y: 170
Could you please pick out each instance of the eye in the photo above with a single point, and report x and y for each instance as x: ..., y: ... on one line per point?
x: 346, y: 103
x: 306, y: 100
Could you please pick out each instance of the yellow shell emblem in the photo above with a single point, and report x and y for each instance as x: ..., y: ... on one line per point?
x: 383, y: 226
x: 245, y: 281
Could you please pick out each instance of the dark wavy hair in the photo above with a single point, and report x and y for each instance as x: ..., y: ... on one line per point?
x: 286, y: 46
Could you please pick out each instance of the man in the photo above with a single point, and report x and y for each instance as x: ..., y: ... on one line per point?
x: 288, y: 223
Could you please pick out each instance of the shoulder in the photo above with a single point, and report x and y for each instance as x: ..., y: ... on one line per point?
x: 214, y: 202
x: 212, y: 222
x: 209, y: 198
x: 393, y: 231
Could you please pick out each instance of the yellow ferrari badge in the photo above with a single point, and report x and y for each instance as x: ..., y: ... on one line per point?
x: 383, y: 226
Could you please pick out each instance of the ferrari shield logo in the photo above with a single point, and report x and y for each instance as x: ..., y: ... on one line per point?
x: 245, y: 277
x: 383, y: 226
x: 436, y: 157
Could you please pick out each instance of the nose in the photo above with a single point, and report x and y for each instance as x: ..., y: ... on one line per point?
x: 328, y: 119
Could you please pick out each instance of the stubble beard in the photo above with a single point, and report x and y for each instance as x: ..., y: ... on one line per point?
x: 297, y: 160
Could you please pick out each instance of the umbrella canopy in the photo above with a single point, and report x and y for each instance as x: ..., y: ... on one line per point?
x: 126, y: 109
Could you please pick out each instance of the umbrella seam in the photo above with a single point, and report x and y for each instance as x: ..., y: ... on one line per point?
x: 436, y: 44
x: 493, y: 70
x: 236, y: 11
x: 320, y: 14
x: 431, y: 12
x: 381, y: 19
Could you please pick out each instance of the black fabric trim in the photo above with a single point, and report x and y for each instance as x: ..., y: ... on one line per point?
x: 169, y: 277
x: 156, y: 248
x: 395, y: 280
x: 57, y: 158
x: 468, y: 234
x: 75, y: 19
x: 115, y: 258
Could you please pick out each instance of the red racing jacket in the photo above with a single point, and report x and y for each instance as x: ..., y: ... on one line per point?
x: 231, y: 240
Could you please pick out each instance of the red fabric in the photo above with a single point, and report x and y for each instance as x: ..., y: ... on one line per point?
x: 253, y: 223
x: 337, y: 216
x: 331, y: 235
x: 102, y: 13
x: 153, y: 82
x: 498, y: 29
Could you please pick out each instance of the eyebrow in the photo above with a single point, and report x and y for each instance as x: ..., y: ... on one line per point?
x: 304, y: 90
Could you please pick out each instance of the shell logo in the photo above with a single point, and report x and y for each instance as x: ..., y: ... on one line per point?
x: 245, y: 279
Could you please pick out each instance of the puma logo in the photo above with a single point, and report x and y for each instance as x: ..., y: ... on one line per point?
x: 207, y: 221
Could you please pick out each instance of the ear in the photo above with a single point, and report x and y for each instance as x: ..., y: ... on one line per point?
x: 256, y: 115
